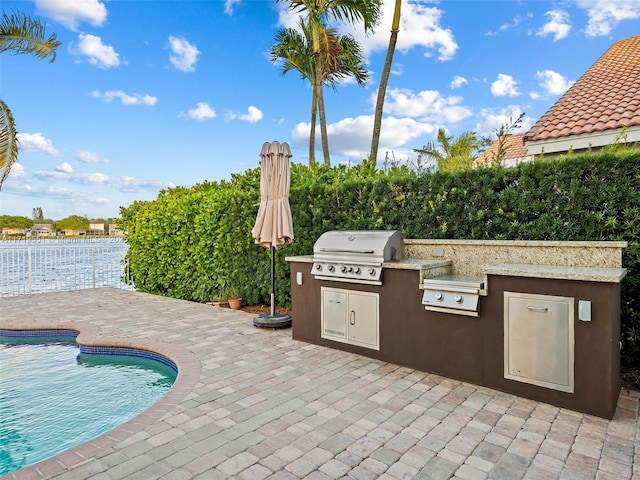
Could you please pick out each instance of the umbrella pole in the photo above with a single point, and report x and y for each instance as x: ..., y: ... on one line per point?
x: 279, y: 320
x: 273, y: 281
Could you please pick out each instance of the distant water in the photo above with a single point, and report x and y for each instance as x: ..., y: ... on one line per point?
x: 46, y: 265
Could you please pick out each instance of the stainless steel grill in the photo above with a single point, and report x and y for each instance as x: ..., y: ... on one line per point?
x: 355, y: 256
x: 452, y: 294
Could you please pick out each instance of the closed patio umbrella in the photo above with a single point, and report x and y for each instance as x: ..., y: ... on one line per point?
x: 274, y: 226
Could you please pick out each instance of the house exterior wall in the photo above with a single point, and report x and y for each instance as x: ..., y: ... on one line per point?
x: 585, y: 141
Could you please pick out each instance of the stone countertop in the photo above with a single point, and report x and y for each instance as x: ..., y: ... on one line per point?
x: 517, y: 243
x: 435, y: 268
x: 416, y: 264
x: 300, y: 258
x: 588, y: 274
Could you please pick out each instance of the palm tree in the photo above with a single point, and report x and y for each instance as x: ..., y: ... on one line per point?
x: 453, y: 154
x: 384, y: 80
x: 318, y: 12
x: 342, y: 59
x: 19, y: 33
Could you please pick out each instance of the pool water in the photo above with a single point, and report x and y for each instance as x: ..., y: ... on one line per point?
x: 52, y: 398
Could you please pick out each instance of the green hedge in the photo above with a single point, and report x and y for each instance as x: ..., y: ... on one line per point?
x: 196, y: 243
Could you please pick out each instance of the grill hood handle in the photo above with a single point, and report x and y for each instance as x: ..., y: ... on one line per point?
x: 341, y: 250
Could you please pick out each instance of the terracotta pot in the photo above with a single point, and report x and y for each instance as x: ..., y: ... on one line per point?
x: 235, y: 303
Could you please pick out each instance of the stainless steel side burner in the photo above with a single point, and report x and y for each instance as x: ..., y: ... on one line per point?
x: 452, y: 294
x: 355, y: 256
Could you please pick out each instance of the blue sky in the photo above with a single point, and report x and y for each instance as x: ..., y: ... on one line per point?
x: 146, y: 94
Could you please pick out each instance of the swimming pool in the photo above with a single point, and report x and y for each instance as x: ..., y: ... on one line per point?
x: 55, y: 395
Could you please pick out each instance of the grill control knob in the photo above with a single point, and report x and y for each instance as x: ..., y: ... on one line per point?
x: 356, y: 270
x: 318, y: 267
x: 458, y: 298
x: 372, y: 271
x: 350, y: 269
x: 439, y: 296
x: 343, y: 269
x: 330, y: 268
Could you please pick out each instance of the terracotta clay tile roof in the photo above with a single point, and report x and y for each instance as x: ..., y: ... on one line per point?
x: 514, y: 148
x: 606, y: 97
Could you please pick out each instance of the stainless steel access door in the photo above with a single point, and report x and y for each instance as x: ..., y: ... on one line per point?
x: 539, y: 340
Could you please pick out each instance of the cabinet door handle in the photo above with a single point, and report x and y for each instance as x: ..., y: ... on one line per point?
x: 352, y: 317
x: 334, y: 301
x: 537, y: 309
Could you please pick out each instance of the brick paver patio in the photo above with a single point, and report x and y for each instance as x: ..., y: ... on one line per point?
x: 252, y: 404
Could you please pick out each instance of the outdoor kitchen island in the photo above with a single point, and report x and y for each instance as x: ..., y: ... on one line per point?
x: 542, y: 318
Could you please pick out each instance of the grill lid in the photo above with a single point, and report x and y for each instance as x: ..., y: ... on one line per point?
x: 366, y: 246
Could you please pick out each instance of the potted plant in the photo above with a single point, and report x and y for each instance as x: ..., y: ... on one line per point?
x: 232, y: 299
x: 235, y: 303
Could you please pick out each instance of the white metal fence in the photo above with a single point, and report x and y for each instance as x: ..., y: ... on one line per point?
x: 35, y: 266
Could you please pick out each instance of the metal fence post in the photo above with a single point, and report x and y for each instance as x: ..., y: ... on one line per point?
x: 29, y: 267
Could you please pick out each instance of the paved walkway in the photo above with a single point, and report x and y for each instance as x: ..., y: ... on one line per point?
x: 252, y: 403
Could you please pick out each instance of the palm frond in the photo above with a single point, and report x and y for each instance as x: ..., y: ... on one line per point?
x: 8, y: 142
x: 19, y: 33
x: 354, y: 11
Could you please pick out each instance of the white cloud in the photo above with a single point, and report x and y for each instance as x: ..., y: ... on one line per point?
x: 559, y: 25
x: 428, y: 105
x: 397, y: 69
x: 52, y: 174
x: 506, y: 26
x: 86, y: 156
x: 229, y: 4
x: 253, y: 115
x: 202, y: 112
x: 605, y: 15
x: 504, y: 86
x: 492, y: 120
x: 18, y: 172
x: 123, y: 184
x: 64, y: 167
x: 98, y: 54
x: 458, y: 82
x: 553, y: 82
x: 420, y: 26
x: 184, y: 55
x: 351, y: 137
x: 125, y: 98
x: 70, y: 14
x: 36, y: 142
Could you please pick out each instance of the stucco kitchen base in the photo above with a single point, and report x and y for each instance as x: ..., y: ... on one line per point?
x: 471, y: 349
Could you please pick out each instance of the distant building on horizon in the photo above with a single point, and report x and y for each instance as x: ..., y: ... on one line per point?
x: 96, y: 227
x: 114, y: 231
x: 41, y: 230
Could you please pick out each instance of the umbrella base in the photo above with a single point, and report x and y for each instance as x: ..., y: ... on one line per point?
x: 279, y: 320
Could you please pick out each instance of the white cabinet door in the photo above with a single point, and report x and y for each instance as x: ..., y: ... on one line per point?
x: 334, y: 314
x: 350, y: 317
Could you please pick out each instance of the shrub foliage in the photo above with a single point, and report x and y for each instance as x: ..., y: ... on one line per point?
x: 195, y: 243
